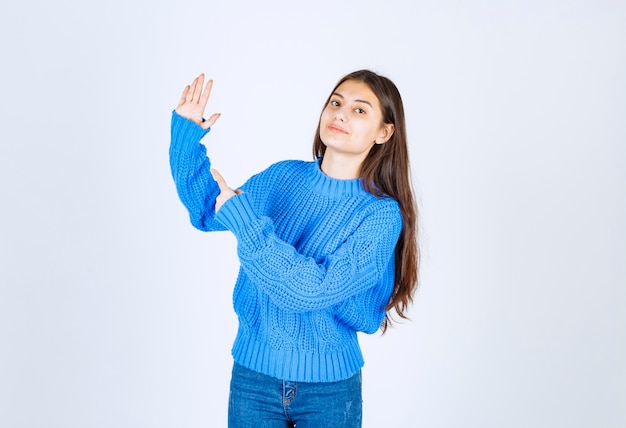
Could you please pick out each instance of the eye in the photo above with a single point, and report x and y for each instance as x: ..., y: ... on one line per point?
x: 359, y: 110
x: 334, y: 103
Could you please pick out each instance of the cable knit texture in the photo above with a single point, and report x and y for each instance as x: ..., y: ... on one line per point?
x: 316, y: 254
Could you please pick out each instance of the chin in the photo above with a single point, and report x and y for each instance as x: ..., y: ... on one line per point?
x: 331, y: 139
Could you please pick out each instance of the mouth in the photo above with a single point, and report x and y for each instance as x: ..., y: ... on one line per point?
x: 337, y: 129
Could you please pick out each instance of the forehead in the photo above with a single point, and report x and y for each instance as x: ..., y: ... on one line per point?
x: 354, y: 90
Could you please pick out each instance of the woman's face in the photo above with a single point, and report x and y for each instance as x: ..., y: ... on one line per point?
x: 352, y: 122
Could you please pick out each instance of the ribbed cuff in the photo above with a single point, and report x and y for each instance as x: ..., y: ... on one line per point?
x: 236, y: 213
x: 185, y: 130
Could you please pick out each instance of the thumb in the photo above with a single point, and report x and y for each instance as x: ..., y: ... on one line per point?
x: 210, y: 121
x: 220, y: 180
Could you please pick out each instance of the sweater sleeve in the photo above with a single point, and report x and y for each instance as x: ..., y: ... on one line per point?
x: 299, y: 283
x: 366, y: 311
x: 191, y: 170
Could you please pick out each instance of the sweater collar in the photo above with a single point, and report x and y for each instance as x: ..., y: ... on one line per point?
x: 329, y: 186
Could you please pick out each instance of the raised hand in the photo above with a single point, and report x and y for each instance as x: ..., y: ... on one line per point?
x: 225, y: 192
x: 194, y: 100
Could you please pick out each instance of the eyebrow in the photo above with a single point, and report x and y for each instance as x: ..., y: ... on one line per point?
x: 358, y: 101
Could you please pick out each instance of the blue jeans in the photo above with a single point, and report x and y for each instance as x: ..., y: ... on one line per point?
x: 260, y: 401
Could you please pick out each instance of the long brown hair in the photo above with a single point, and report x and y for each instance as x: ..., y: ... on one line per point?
x: 385, y: 171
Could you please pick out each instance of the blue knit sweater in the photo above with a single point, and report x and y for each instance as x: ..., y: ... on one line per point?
x: 316, y: 256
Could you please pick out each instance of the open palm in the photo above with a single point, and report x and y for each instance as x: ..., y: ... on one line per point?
x: 194, y: 100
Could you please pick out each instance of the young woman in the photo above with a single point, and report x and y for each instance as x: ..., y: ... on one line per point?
x: 327, y: 248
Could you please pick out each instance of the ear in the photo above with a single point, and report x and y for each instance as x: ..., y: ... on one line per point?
x: 386, y: 131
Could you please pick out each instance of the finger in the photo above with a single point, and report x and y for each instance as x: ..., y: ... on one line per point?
x: 220, y: 180
x: 192, y: 88
x: 183, y: 97
x: 211, y: 120
x: 198, y: 88
x: 204, y: 98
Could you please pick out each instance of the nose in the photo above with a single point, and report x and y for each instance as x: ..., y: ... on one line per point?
x: 339, y: 115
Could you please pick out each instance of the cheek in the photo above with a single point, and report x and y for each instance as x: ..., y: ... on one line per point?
x: 326, y: 116
x: 373, y: 131
x: 323, y: 127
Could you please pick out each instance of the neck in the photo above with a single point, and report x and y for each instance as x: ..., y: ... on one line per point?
x: 341, y: 167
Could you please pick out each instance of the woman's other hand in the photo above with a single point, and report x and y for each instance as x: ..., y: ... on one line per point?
x: 225, y: 192
x: 194, y: 100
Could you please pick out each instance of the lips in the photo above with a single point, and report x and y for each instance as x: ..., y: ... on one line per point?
x: 337, y: 129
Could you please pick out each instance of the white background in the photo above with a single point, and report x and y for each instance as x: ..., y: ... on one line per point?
x: 115, y: 312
